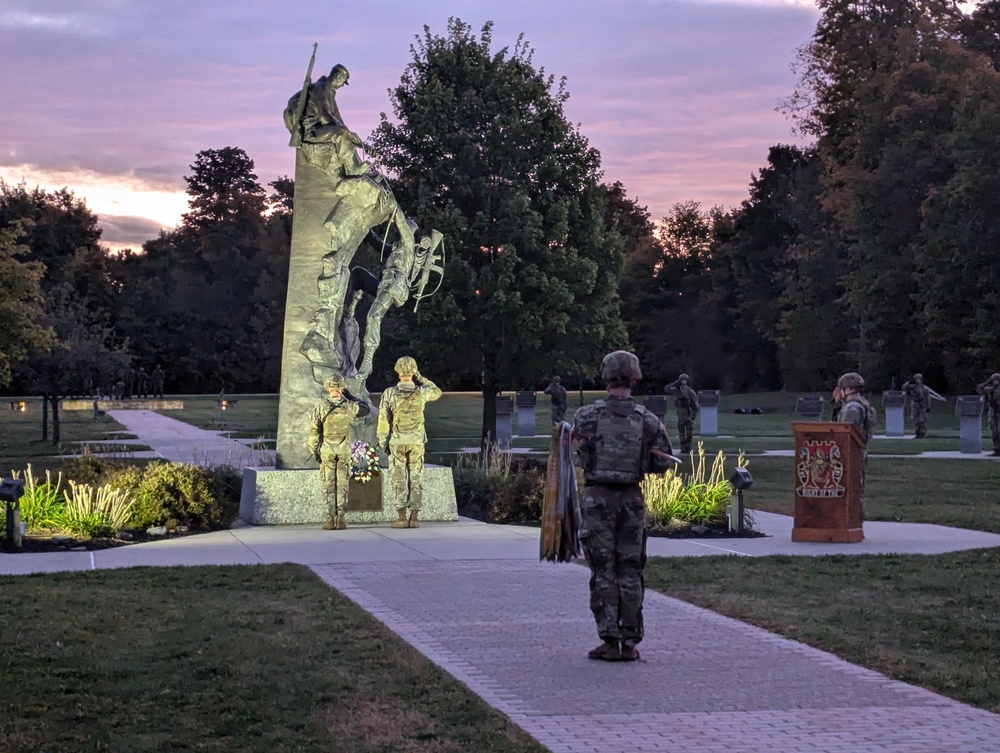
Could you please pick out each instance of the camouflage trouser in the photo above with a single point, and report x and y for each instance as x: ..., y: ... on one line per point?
x: 919, y: 414
x: 558, y: 413
x: 995, y: 429
x: 406, y: 474
x: 614, y: 542
x: 334, y: 473
x: 685, y: 432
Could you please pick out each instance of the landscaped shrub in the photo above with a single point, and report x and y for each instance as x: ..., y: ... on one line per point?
x: 90, y: 469
x: 675, y: 498
x: 495, y: 486
x: 173, y: 494
x: 42, y: 503
x: 95, y: 510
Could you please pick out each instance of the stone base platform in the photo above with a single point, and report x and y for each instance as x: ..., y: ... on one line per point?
x: 283, y: 497
x: 123, y: 405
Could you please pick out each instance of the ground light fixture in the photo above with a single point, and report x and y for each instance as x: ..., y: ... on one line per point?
x: 11, y: 491
x: 741, y: 480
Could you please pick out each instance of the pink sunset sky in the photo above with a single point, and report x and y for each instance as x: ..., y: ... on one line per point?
x: 114, y: 98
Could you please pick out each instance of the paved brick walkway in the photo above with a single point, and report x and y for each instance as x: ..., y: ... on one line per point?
x: 517, y: 633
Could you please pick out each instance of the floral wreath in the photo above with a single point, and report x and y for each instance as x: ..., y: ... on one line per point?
x: 364, y: 462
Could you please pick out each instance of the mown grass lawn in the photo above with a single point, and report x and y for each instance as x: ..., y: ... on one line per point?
x: 261, y: 659
x: 932, y: 621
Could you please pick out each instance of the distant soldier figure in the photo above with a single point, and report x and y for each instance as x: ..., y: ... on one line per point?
x: 142, y: 383
x: 618, y: 443
x: 560, y: 399
x: 128, y: 377
x: 401, y: 436
x: 856, y: 410
x: 990, y: 389
x: 157, y: 382
x: 920, y: 403
x: 117, y: 390
x: 686, y: 402
x: 330, y: 444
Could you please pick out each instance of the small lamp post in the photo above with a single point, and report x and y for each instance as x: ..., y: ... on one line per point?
x: 11, y: 491
x: 741, y: 481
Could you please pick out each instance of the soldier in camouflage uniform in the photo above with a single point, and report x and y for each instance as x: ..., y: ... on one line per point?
x: 920, y: 403
x: 686, y: 403
x: 990, y: 389
x: 618, y: 442
x: 401, y: 436
x: 858, y: 411
x: 560, y: 399
x: 330, y: 444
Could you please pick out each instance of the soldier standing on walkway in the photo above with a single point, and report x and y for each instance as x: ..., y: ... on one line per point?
x: 330, y: 444
x: 686, y: 403
x: 920, y: 403
x: 618, y: 443
x: 401, y: 436
x: 142, y: 382
x: 560, y: 399
x: 990, y: 389
x: 858, y: 411
x: 157, y: 382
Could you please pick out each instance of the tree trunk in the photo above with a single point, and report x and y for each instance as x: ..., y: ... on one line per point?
x: 45, y: 417
x: 55, y: 418
x: 489, y: 435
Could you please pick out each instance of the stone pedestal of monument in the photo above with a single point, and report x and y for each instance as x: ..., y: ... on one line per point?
x: 283, y: 497
x: 708, y: 404
x: 969, y: 409
x: 525, y: 402
x: 892, y: 402
x: 505, y: 421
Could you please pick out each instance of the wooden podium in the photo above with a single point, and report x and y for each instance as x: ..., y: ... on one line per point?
x: 828, y: 459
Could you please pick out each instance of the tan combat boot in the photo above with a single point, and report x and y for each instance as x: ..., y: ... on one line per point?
x: 400, y: 522
x: 414, y: 523
x: 341, y: 523
x: 330, y: 524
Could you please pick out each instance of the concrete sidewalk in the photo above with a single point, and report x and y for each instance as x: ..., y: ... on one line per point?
x: 181, y: 442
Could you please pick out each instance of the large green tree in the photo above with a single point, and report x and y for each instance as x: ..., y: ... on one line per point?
x: 206, y: 300
x: 20, y: 303
x: 481, y: 149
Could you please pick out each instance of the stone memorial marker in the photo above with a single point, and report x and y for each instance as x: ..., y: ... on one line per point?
x: 708, y: 400
x: 893, y: 401
x: 526, y: 402
x: 505, y: 411
x: 809, y: 407
x: 657, y: 404
x: 969, y: 409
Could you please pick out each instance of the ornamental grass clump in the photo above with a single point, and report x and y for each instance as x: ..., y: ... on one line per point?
x: 42, y: 504
x: 676, y: 499
x: 94, y: 510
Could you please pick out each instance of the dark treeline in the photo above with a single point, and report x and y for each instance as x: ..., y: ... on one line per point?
x: 877, y: 247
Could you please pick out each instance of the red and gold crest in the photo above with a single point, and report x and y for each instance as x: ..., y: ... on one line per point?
x: 820, y: 470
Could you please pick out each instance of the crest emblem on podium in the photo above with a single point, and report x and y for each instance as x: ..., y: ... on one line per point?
x: 820, y: 470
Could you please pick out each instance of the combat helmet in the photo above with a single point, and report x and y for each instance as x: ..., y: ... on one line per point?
x: 335, y: 381
x: 684, y: 378
x: 620, y: 365
x: 851, y: 380
x: 917, y: 377
x: 406, y: 366
x: 995, y: 377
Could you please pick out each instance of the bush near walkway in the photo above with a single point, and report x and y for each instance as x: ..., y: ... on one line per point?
x: 263, y: 659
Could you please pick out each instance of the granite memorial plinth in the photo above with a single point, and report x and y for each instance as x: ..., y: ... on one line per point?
x: 809, y: 407
x: 892, y: 402
x: 708, y: 402
x: 525, y: 402
x: 505, y: 419
x: 969, y: 409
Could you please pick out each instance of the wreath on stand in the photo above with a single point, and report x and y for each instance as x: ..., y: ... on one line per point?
x: 364, y: 462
